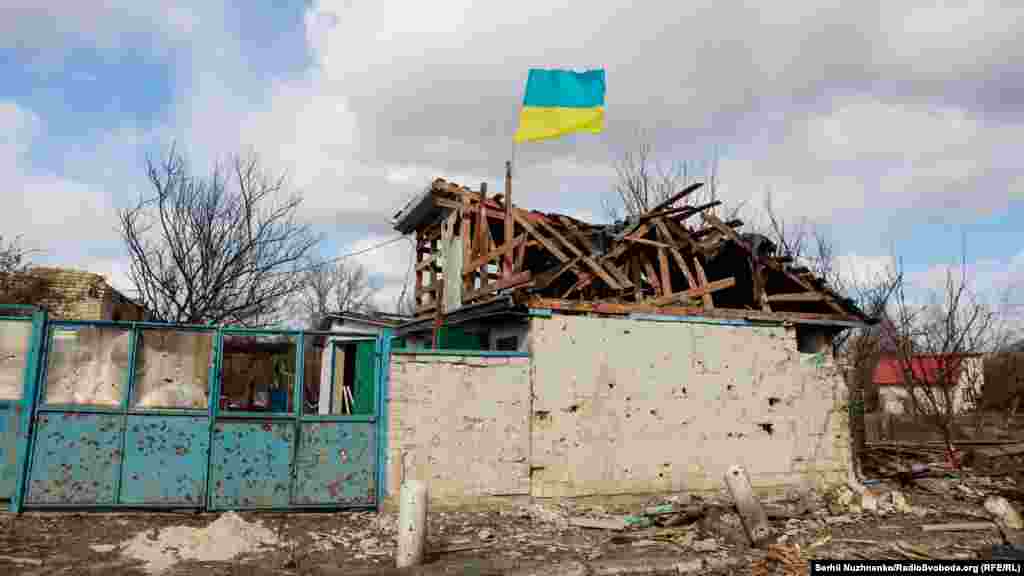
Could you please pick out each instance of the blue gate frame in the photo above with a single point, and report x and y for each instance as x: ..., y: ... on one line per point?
x: 88, y: 456
x: 16, y: 413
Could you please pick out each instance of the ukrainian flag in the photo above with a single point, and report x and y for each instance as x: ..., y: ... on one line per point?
x: 559, y: 102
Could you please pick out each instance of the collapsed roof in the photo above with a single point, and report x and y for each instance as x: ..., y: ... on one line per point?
x: 471, y: 248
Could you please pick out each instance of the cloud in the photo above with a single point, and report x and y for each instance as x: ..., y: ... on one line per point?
x: 885, y: 114
x: 57, y: 215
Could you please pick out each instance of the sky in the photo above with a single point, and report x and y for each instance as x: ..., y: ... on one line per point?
x: 895, y: 126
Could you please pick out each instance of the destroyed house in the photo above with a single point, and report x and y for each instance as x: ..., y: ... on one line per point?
x: 481, y: 265
x: 552, y: 357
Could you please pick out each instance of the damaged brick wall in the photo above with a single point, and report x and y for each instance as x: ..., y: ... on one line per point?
x: 627, y: 406
x: 619, y: 407
x: 461, y: 423
x: 77, y: 295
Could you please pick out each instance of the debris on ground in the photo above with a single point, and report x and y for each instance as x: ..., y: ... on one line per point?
x: 225, y: 539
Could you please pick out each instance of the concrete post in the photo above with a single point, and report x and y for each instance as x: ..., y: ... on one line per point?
x: 412, y: 524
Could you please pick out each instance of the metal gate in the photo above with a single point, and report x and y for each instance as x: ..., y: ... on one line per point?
x: 170, y: 416
x: 21, y: 331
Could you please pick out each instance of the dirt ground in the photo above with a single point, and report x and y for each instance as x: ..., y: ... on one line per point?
x: 496, y: 541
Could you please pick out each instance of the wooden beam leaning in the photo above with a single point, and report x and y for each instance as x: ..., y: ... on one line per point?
x: 677, y: 197
x: 545, y: 279
x: 702, y: 280
x: 507, y: 260
x: 594, y: 266
x: 666, y: 235
x: 694, y: 292
x: 652, y: 277
x: 547, y: 244
x: 666, y: 275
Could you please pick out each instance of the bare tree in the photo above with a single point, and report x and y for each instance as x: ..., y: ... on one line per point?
x: 223, y: 248
x: 334, y: 287
x: 953, y: 326
x: 642, y: 182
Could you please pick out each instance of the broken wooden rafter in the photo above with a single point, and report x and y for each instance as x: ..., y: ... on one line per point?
x: 694, y: 292
x: 665, y: 234
x: 677, y: 197
x: 512, y: 281
x: 493, y: 254
x: 646, y: 241
x: 731, y: 234
x: 594, y: 266
x: 545, y: 279
x: 652, y: 277
x: 548, y: 245
x: 666, y: 274
x: 702, y: 280
x: 797, y: 297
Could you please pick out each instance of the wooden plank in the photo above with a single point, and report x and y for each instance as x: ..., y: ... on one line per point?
x: 652, y: 277
x: 694, y: 292
x: 517, y: 279
x: 797, y: 297
x: 467, y: 245
x: 599, y: 523
x: 573, y: 230
x: 618, y: 274
x: 548, y: 245
x: 594, y: 266
x: 583, y: 281
x: 677, y: 197
x: 682, y: 212
x: 755, y: 521
x: 666, y: 275
x: 665, y: 234
x: 680, y: 232
x: 481, y: 241
x: 493, y: 254
x: 620, y: 249
x: 702, y: 280
x: 646, y: 241
x: 545, y: 279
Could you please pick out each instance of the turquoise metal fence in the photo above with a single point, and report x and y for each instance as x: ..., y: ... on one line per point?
x: 21, y: 333
x: 141, y: 415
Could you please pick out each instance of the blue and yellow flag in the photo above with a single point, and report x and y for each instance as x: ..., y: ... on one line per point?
x: 560, y: 102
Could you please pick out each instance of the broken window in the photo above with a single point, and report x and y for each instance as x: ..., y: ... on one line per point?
x: 347, y: 385
x: 87, y: 365
x: 316, y: 373
x: 258, y: 373
x: 172, y: 369
x: 15, y: 341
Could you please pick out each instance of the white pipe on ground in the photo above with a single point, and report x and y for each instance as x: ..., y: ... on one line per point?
x: 412, y: 524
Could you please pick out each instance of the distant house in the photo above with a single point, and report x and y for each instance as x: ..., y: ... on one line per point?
x: 69, y: 294
x: 894, y: 394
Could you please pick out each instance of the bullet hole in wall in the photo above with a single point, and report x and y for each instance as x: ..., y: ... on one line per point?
x: 654, y: 412
x: 573, y: 408
x: 772, y: 400
x: 729, y: 387
x: 611, y: 385
x: 542, y: 415
x: 625, y: 331
x: 767, y: 427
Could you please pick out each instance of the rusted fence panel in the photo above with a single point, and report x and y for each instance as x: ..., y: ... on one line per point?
x: 251, y: 464
x: 336, y: 463
x: 165, y: 460
x: 77, y: 459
